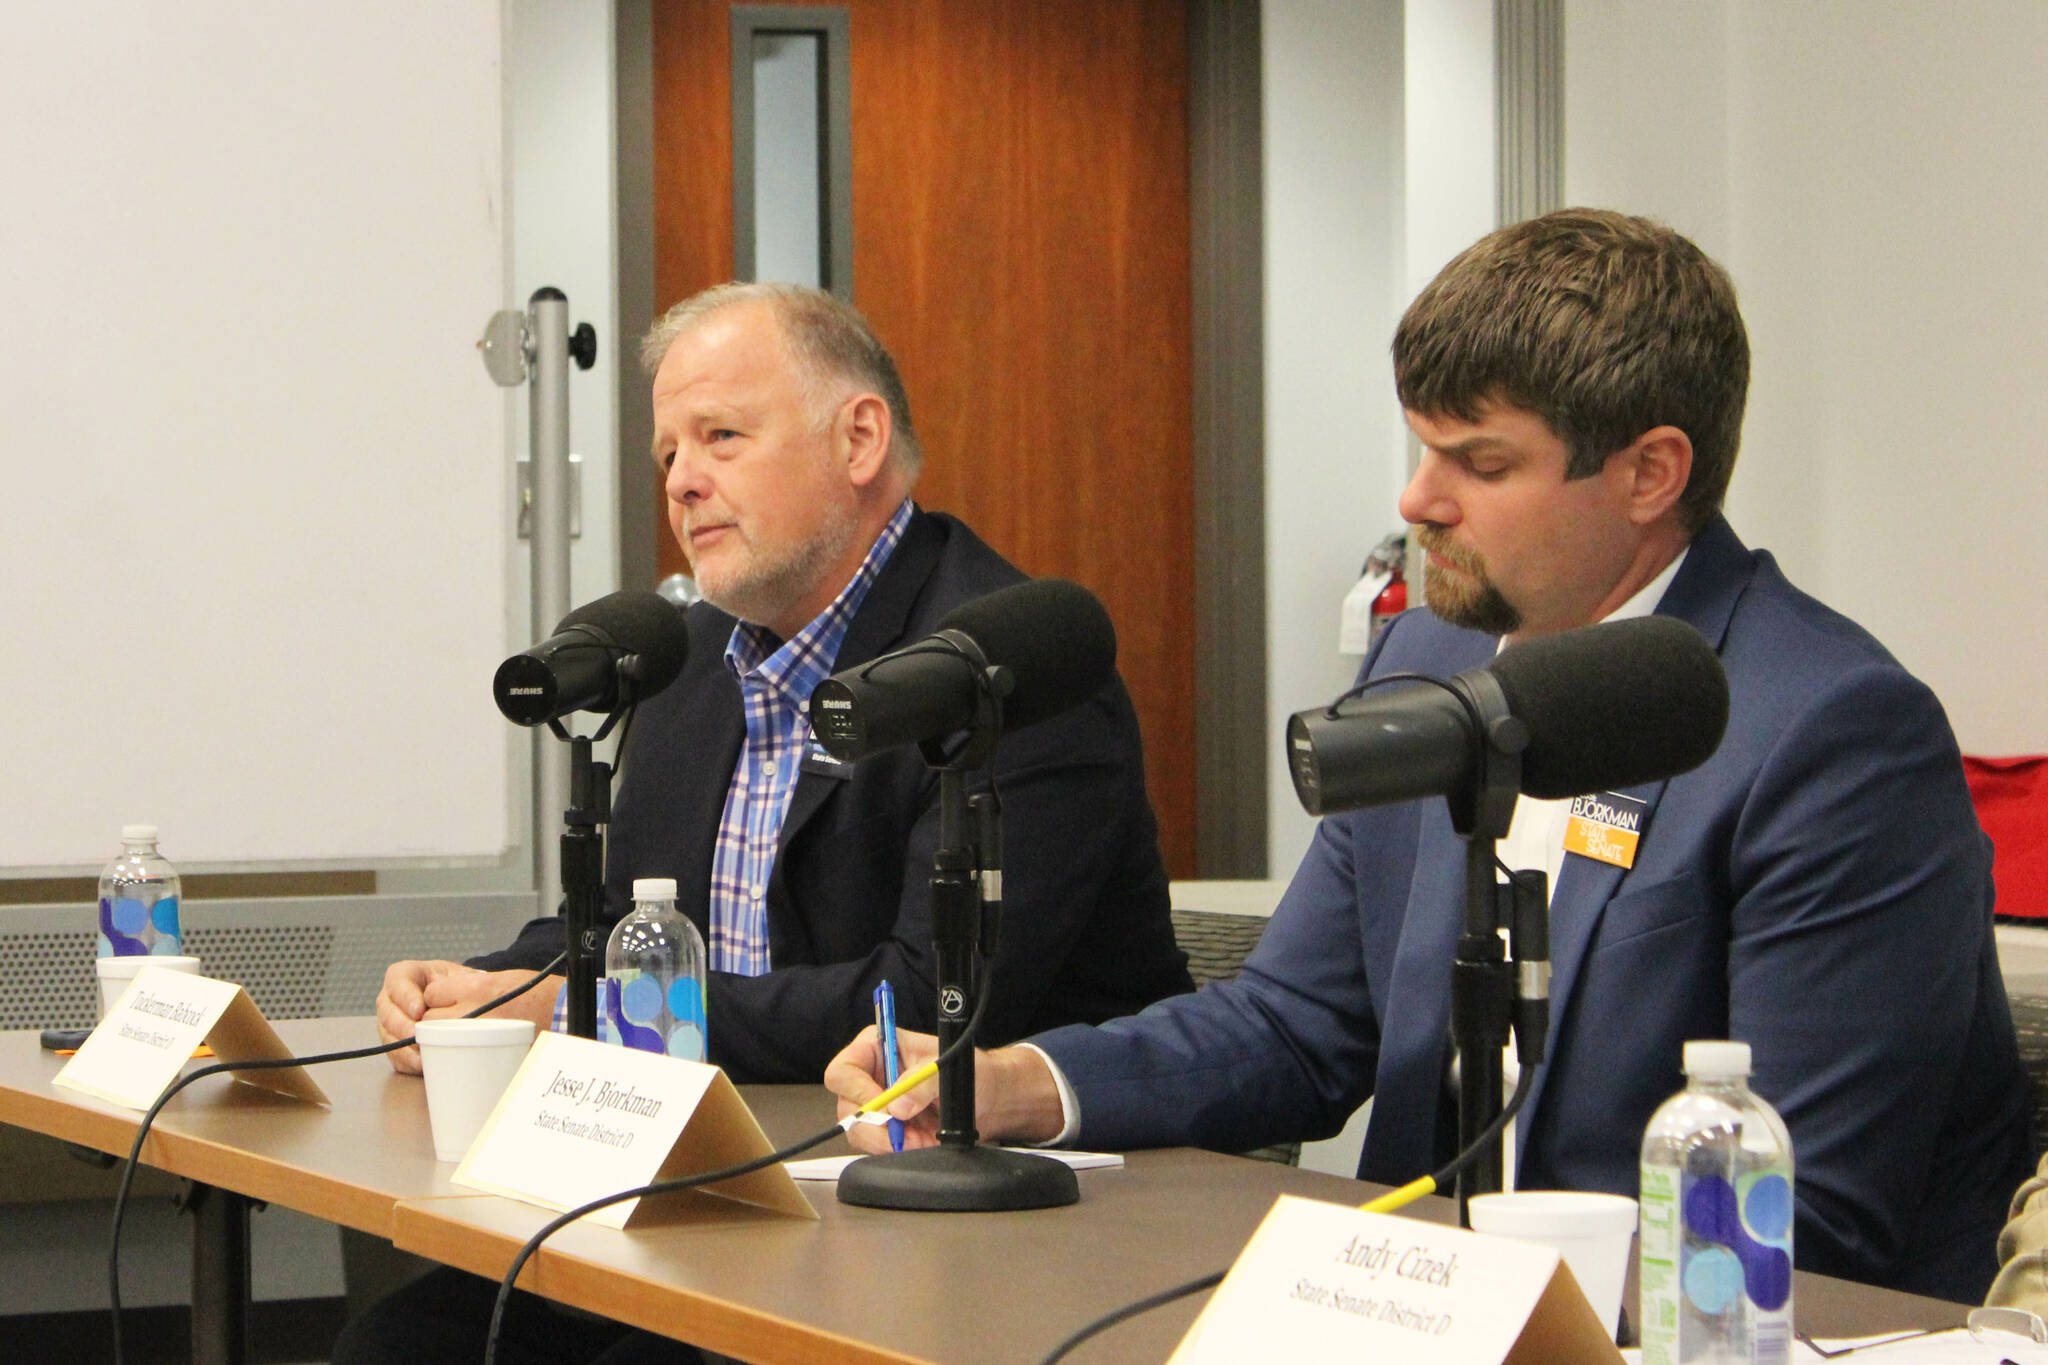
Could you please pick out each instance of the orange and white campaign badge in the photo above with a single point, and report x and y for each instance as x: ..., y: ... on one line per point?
x: 1606, y: 826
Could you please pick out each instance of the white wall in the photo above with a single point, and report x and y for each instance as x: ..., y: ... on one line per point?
x: 1661, y: 145
x: 561, y: 165
x: 1872, y: 176
x: 1333, y: 118
x: 1452, y: 136
x: 1379, y: 166
x: 561, y: 212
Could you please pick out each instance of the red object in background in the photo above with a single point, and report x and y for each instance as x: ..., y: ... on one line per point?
x: 1391, y: 601
x: 2011, y: 796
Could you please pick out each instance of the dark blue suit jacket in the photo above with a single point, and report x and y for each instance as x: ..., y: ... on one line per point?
x: 1819, y: 888
x: 1086, y: 933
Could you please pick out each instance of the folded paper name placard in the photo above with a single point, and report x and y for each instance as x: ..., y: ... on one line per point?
x: 1328, y: 1282
x: 584, y: 1119
x: 146, y: 1039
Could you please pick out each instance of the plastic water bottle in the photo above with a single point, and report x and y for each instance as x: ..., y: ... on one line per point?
x: 653, y: 996
x: 139, y: 895
x: 1716, y: 1250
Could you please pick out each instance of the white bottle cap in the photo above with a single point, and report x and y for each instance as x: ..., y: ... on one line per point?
x: 135, y: 834
x: 1716, y: 1061
x: 654, y: 888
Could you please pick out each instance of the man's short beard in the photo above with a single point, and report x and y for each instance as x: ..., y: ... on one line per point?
x: 1483, y: 610
x: 768, y: 588
x: 1470, y: 600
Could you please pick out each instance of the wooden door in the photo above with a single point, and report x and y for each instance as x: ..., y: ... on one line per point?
x: 1020, y: 205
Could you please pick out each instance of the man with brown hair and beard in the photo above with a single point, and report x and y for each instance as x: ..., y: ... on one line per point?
x: 1819, y: 888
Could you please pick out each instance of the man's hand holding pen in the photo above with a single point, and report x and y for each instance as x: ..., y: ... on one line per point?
x: 1015, y: 1096
x: 859, y: 1073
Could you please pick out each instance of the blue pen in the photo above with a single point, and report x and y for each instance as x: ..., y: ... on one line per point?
x: 892, y: 1060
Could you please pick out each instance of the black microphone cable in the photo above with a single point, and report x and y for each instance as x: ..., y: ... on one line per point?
x: 1386, y: 1203
x: 265, y: 1064
x: 942, y: 648
x: 1354, y: 693
x: 1132, y: 1310
x: 911, y: 1080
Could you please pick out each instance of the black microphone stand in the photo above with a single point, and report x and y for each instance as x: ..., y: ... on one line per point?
x: 589, y: 810
x: 959, y: 1175
x: 1484, y: 997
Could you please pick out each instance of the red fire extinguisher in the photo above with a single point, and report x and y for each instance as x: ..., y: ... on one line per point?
x: 1390, y: 558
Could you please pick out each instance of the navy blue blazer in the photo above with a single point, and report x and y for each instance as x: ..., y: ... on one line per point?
x: 1819, y: 889
x: 1086, y: 934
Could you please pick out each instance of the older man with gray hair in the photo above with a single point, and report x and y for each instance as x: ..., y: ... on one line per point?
x: 785, y: 440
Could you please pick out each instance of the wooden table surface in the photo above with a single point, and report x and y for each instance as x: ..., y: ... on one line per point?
x: 876, y: 1285
x: 349, y: 1165
x: 858, y: 1285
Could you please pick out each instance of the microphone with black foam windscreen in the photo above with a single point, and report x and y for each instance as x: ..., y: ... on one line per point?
x: 625, y: 647
x: 1605, y: 707
x: 1051, y: 638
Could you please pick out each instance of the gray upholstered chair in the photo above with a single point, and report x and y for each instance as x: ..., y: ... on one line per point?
x: 1216, y: 945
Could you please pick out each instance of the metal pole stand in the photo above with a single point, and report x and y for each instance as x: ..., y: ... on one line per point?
x: 538, y: 344
x: 1482, y: 989
x: 583, y: 821
x: 589, y: 809
x: 1482, y: 982
x: 959, y: 1175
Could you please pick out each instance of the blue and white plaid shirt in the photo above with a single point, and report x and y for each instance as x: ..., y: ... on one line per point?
x: 776, y: 680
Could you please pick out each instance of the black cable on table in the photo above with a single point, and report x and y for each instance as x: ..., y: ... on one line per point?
x: 222, y: 1068
x: 1436, y: 1181
x: 1131, y: 1310
x: 554, y: 1225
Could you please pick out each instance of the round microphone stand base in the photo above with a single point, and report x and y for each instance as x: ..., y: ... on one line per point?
x: 948, y: 1179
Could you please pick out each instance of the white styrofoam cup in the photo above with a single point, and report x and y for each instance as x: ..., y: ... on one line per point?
x: 467, y: 1063
x: 1591, y: 1231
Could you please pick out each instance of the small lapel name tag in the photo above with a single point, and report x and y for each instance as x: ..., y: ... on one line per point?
x: 584, y: 1119
x: 149, y: 1035
x: 816, y: 760
x: 1326, y: 1282
x: 1606, y: 826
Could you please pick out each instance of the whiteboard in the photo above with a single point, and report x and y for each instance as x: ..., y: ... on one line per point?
x: 253, y: 543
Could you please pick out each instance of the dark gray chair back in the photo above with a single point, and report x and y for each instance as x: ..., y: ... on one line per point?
x: 1217, y: 945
